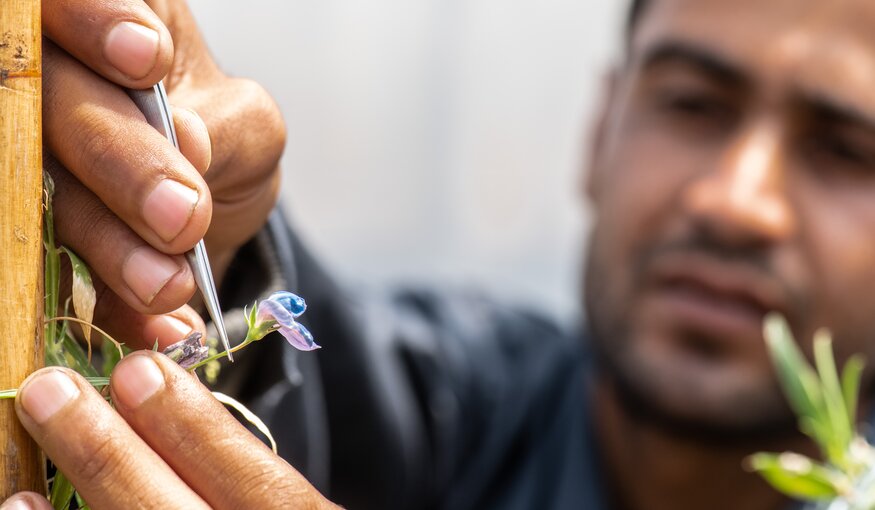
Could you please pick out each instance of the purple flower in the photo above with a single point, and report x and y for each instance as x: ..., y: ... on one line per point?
x: 188, y: 351
x: 278, y: 313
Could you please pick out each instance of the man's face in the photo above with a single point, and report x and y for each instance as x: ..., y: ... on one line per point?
x: 734, y: 174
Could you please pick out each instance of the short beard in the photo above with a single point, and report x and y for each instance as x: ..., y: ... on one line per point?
x: 640, y: 396
x: 639, y: 401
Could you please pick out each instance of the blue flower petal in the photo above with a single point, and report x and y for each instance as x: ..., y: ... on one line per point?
x: 293, y: 303
x: 273, y: 310
x: 299, y: 338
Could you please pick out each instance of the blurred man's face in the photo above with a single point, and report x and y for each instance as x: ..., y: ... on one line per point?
x: 734, y: 174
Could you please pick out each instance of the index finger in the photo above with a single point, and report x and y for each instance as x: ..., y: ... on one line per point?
x: 200, y: 440
x: 122, y: 40
x: 93, y: 446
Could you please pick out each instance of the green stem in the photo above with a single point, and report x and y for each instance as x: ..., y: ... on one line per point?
x: 246, y: 341
x: 97, y: 382
x: 52, y: 265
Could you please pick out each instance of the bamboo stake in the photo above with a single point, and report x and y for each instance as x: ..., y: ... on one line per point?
x: 21, y: 339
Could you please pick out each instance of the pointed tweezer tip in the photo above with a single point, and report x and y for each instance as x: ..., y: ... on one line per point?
x: 225, y: 342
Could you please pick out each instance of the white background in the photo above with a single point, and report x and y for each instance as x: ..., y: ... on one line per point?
x: 432, y: 141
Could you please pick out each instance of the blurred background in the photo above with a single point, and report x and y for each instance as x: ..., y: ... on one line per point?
x: 436, y: 142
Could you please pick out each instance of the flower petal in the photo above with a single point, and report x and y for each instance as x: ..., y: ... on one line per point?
x: 298, y: 336
x: 292, y: 302
x: 269, y: 310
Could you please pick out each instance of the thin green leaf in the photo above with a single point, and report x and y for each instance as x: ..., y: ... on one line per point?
x: 111, y: 357
x: 841, y: 429
x: 81, y: 502
x: 84, y: 297
x: 62, y: 492
x: 798, y: 379
x: 851, y: 375
x: 247, y: 415
x: 817, y: 430
x: 98, y: 382
x: 8, y: 393
x: 77, y: 359
x: 52, y: 264
x: 251, y: 315
x: 798, y: 476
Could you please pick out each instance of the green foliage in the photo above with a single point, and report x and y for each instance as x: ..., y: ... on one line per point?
x: 111, y: 356
x: 62, y: 491
x: 826, y: 407
x: 52, y: 265
x: 63, y: 349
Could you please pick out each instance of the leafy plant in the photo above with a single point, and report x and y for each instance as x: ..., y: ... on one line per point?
x: 277, y: 313
x: 826, y: 406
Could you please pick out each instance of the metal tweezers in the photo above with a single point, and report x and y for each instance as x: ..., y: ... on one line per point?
x: 155, y: 107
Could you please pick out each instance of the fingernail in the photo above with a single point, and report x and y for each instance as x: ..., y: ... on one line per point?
x: 146, y: 272
x: 165, y: 329
x: 132, y: 49
x: 46, y: 394
x: 168, y: 208
x: 136, y: 379
x: 16, y: 503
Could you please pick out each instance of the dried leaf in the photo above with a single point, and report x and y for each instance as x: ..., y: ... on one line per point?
x: 247, y: 415
x: 84, y: 297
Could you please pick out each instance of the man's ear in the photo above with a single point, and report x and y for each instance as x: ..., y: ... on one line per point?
x: 593, y: 174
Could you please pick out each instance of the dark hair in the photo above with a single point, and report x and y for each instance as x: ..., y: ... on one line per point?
x: 636, y: 8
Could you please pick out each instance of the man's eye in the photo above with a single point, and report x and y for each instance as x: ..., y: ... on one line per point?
x: 835, y: 150
x: 696, y: 106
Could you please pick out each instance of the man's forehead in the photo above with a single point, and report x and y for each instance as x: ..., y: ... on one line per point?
x: 819, y: 45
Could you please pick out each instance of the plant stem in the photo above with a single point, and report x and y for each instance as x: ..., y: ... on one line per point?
x: 97, y: 382
x: 246, y: 341
x: 102, y: 332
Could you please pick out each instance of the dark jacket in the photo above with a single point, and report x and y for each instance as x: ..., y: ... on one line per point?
x: 417, y: 399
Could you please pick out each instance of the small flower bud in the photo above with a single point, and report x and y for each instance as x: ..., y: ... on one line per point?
x: 188, y: 351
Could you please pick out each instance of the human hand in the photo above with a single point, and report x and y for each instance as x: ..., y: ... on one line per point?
x: 128, y: 202
x: 168, y: 444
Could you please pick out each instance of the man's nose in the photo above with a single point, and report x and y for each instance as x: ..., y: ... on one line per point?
x: 743, y: 198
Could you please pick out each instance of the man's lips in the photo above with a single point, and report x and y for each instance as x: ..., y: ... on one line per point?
x: 709, y: 295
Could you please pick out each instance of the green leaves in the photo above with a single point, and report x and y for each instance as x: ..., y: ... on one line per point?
x: 62, y: 491
x: 826, y: 407
x: 799, y: 476
x: 817, y: 397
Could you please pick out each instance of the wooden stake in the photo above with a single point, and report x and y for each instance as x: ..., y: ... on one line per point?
x: 21, y: 292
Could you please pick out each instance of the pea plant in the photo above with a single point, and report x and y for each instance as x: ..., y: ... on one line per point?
x: 62, y: 348
x: 825, y: 402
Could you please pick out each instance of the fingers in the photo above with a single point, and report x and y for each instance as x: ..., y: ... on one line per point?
x: 26, y: 501
x: 142, y: 331
x: 146, y: 279
x: 200, y: 440
x: 105, y: 460
x: 97, y: 133
x: 122, y: 40
x: 193, y: 138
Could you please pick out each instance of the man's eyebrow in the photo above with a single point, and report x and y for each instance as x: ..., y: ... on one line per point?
x: 710, y: 63
x: 837, y: 111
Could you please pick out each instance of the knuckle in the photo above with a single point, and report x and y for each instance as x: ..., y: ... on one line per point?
x: 267, y: 482
x: 262, y: 113
x: 93, y: 226
x: 186, y: 439
x: 100, y: 459
x: 99, y: 144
